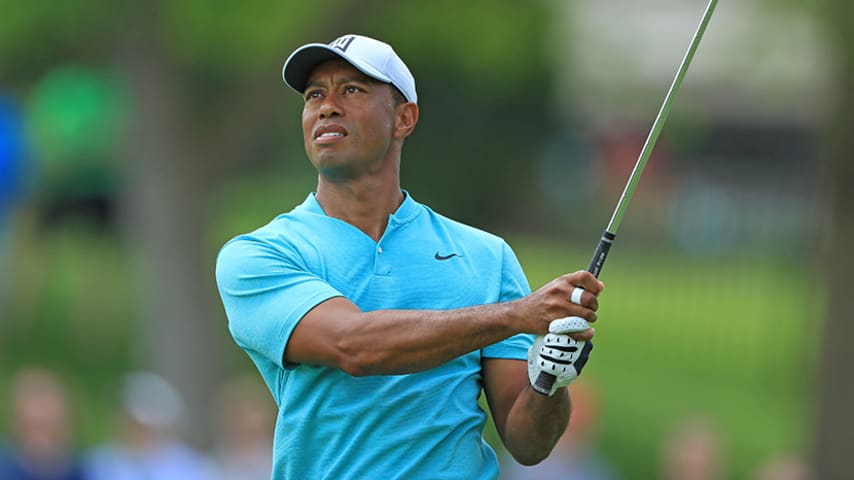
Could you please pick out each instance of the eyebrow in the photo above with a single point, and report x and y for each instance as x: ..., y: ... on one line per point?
x: 346, y: 79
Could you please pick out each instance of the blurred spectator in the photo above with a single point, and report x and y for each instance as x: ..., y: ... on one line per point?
x: 146, y: 444
x: 574, y: 457
x: 782, y: 467
x: 244, y: 416
x: 39, y: 448
x: 693, y: 450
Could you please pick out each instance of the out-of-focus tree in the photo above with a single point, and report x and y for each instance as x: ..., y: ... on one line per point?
x: 205, y: 94
x: 835, y: 421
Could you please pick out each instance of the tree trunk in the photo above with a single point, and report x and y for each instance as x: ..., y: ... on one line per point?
x: 832, y: 457
x: 164, y: 204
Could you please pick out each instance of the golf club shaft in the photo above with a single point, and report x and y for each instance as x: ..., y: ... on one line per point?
x: 545, y: 380
x: 654, y: 132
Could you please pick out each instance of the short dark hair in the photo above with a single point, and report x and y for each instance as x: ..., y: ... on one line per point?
x: 397, y: 96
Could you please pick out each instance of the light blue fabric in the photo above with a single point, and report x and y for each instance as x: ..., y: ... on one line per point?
x: 333, y: 425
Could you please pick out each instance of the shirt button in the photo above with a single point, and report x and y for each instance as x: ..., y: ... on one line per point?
x: 379, y: 249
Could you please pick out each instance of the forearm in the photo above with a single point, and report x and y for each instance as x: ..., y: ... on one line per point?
x: 535, y: 423
x: 338, y: 334
x: 388, y: 342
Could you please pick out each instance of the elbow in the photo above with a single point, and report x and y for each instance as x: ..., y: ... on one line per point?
x: 529, y: 459
x: 529, y: 453
x: 360, y: 355
x: 356, y: 360
x: 361, y: 366
x: 354, y: 368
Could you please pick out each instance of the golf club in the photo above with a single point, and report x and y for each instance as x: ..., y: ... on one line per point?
x: 545, y: 380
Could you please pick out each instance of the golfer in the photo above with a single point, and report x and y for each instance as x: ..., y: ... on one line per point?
x: 376, y: 322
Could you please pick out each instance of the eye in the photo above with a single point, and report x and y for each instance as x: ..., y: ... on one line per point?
x: 311, y: 94
x: 351, y: 89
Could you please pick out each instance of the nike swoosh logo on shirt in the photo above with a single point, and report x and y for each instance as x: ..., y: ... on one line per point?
x: 444, y: 257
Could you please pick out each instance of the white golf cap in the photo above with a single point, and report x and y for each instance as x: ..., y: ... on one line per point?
x: 374, y: 58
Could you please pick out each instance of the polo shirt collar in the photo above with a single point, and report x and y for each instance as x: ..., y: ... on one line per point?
x: 406, y: 212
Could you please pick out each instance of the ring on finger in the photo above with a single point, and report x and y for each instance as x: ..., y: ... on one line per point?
x: 576, y: 295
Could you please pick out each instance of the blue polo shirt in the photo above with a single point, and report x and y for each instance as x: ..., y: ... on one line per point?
x: 426, y: 425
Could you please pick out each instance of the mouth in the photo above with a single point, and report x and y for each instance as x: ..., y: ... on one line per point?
x: 329, y: 133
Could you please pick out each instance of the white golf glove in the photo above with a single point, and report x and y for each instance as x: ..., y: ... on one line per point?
x: 558, y: 355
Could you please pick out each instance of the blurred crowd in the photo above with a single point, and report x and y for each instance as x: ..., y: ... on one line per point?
x: 146, y: 444
x: 145, y: 441
x: 692, y: 449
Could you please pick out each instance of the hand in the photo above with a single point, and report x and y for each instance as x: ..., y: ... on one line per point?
x: 569, y: 296
x: 558, y: 354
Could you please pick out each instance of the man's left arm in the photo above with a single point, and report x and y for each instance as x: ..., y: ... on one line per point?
x: 529, y: 423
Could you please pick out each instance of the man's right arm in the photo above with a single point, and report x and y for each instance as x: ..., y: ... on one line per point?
x: 338, y: 334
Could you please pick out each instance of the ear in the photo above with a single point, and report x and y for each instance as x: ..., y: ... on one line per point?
x: 405, y: 118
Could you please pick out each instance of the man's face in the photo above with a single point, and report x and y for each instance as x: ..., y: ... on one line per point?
x: 347, y: 121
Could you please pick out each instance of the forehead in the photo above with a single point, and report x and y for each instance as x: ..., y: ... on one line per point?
x: 339, y: 69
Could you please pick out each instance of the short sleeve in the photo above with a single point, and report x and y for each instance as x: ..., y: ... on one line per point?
x: 514, y: 285
x: 266, y: 290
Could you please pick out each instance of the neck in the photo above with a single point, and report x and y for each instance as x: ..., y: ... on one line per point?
x: 365, y: 203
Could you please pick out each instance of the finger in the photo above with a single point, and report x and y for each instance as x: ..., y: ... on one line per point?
x: 575, y: 297
x: 583, y: 336
x: 582, y: 297
x: 586, y: 280
x: 578, y: 311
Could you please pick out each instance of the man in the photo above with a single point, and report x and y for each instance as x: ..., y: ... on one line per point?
x: 375, y: 321
x: 41, y: 444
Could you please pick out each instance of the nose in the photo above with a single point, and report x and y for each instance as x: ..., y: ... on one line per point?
x: 330, y: 106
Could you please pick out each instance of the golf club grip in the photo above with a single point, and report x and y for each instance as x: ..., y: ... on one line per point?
x: 544, y: 381
x: 601, y: 253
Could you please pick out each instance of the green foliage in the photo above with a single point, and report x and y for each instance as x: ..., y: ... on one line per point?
x: 465, y: 55
x: 34, y: 34
x: 239, y: 38
x: 495, y: 45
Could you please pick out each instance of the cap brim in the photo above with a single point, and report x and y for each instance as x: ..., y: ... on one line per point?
x: 301, y: 63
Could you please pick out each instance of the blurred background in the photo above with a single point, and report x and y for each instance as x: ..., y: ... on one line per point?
x: 138, y: 137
